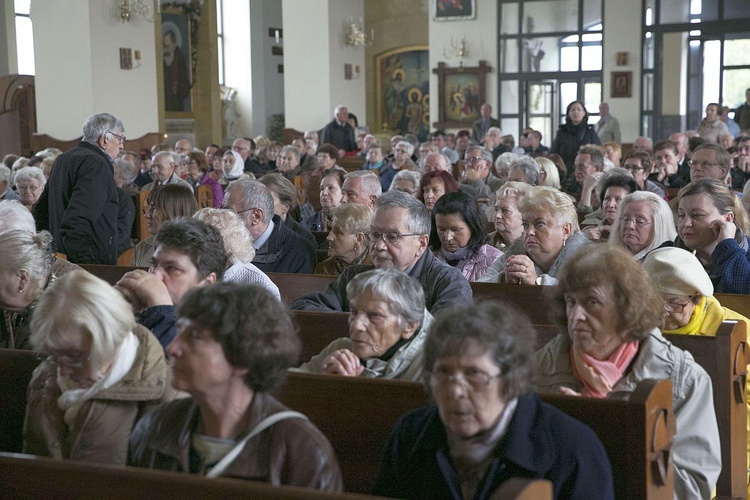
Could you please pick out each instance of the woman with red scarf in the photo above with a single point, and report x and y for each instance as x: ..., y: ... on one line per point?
x: 612, y: 317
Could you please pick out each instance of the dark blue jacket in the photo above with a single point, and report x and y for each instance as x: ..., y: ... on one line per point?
x: 541, y: 443
x: 285, y: 252
x: 161, y: 321
x: 730, y: 265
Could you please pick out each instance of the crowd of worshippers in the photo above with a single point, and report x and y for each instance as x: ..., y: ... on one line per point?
x: 174, y: 366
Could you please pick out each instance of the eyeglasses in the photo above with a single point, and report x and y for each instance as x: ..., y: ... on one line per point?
x: 120, y: 138
x: 638, y: 221
x: 72, y: 361
x: 474, y: 380
x: 633, y: 169
x: 389, y: 238
x: 701, y: 164
x: 678, y: 307
x: 32, y: 187
x: 470, y: 160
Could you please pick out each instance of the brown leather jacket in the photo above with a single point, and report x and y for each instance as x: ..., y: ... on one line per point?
x: 291, y: 452
x: 102, y: 428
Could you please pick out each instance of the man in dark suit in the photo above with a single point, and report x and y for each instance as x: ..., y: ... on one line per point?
x: 338, y: 132
x: 480, y: 127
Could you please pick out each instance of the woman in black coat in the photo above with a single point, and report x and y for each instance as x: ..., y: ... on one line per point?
x: 575, y: 133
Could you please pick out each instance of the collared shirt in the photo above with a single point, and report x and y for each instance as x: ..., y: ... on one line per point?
x: 263, y: 238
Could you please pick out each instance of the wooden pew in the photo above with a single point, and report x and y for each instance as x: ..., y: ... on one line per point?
x: 29, y: 477
x: 358, y: 414
x: 725, y: 358
x: 318, y: 329
x: 736, y: 302
x: 40, y: 478
x: 16, y: 367
x: 292, y: 285
x: 529, y: 298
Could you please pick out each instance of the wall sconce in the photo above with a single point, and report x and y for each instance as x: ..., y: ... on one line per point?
x: 458, y: 49
x: 355, y: 35
x: 135, y: 8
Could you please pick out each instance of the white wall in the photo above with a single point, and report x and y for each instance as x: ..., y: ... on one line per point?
x: 481, y: 40
x: 76, y: 46
x: 237, y: 60
x: 314, y: 59
x: 622, y: 33
x: 8, y: 57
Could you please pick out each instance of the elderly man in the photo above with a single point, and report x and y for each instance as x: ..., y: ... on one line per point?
x: 188, y: 253
x: 361, y: 187
x: 245, y: 147
x: 493, y: 141
x: 6, y: 193
x: 711, y: 128
x: 478, y: 164
x: 710, y: 161
x: 163, y: 167
x: 338, y: 132
x: 277, y: 248
x: 589, y: 163
x: 480, y: 127
x: 681, y: 141
x: 608, y: 128
x: 183, y: 147
x: 80, y: 203
x: 399, y: 239
x: 643, y: 143
x: 368, y: 141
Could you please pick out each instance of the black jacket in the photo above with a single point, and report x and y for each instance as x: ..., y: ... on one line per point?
x: 83, y: 205
x: 285, y: 252
x: 569, y: 139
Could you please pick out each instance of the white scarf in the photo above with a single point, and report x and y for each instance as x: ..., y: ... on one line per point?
x: 72, y: 397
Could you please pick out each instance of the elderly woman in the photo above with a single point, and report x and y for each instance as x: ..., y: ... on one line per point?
x: 550, y: 236
x: 233, y: 347
x: 611, y: 314
x: 524, y: 169
x: 713, y: 224
x: 502, y: 165
x: 288, y: 162
x: 387, y: 328
x: 330, y: 198
x: 198, y: 176
x: 548, y: 173
x: 234, y: 166
x: 163, y: 203
x: 29, y: 183
x: 102, y: 373
x: 643, y: 223
x: 485, y: 421
x: 347, y: 240
x: 286, y: 204
x: 402, y: 157
x: 240, y: 250
x: 27, y: 268
x: 638, y: 163
x: 433, y: 185
x: 459, y: 236
x: 507, y: 218
x: 406, y: 181
x: 613, y: 187
x: 613, y: 152
x: 666, y: 161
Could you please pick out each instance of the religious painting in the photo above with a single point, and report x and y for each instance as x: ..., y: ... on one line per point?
x: 177, y: 62
x: 451, y: 10
x: 622, y: 84
x: 403, y: 91
x: 461, y: 92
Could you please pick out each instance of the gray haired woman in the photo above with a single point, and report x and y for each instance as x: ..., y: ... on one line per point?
x: 387, y: 329
x: 29, y: 183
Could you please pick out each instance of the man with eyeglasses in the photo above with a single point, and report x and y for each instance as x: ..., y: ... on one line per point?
x: 478, y: 174
x: 710, y: 161
x: 399, y: 238
x: 80, y: 203
x: 245, y: 147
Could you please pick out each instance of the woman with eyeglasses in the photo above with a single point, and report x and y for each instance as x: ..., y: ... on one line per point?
x: 638, y: 163
x: 29, y: 183
x: 644, y: 222
x: 610, y: 316
x: 459, y: 235
x: 550, y: 236
x: 548, y: 173
x: 712, y: 223
x: 387, y: 328
x: 102, y: 372
x: 485, y: 421
x: 163, y: 203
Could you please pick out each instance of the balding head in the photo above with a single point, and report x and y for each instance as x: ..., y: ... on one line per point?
x: 436, y: 161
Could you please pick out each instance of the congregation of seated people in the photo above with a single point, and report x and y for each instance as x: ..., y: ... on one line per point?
x: 175, y: 366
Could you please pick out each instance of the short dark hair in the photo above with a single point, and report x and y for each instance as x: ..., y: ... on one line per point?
x: 496, y: 327
x: 254, y: 329
x: 338, y: 174
x: 661, y: 145
x: 199, y: 241
x: 643, y: 156
x: 329, y: 149
x: 438, y: 133
x: 467, y: 208
x: 624, y: 181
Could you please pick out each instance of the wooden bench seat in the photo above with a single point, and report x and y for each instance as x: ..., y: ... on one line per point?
x: 358, y: 415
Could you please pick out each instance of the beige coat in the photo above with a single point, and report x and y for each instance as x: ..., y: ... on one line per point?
x: 103, y: 425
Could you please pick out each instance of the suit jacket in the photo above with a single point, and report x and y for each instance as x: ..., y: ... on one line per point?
x: 609, y: 130
x: 477, y: 132
x: 285, y: 252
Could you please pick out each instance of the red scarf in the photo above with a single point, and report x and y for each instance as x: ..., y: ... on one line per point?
x: 599, y: 377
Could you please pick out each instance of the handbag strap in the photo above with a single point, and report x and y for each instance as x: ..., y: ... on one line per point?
x: 264, y: 424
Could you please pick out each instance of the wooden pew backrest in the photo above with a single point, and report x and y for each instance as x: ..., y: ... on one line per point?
x: 16, y: 367
x: 292, y: 285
